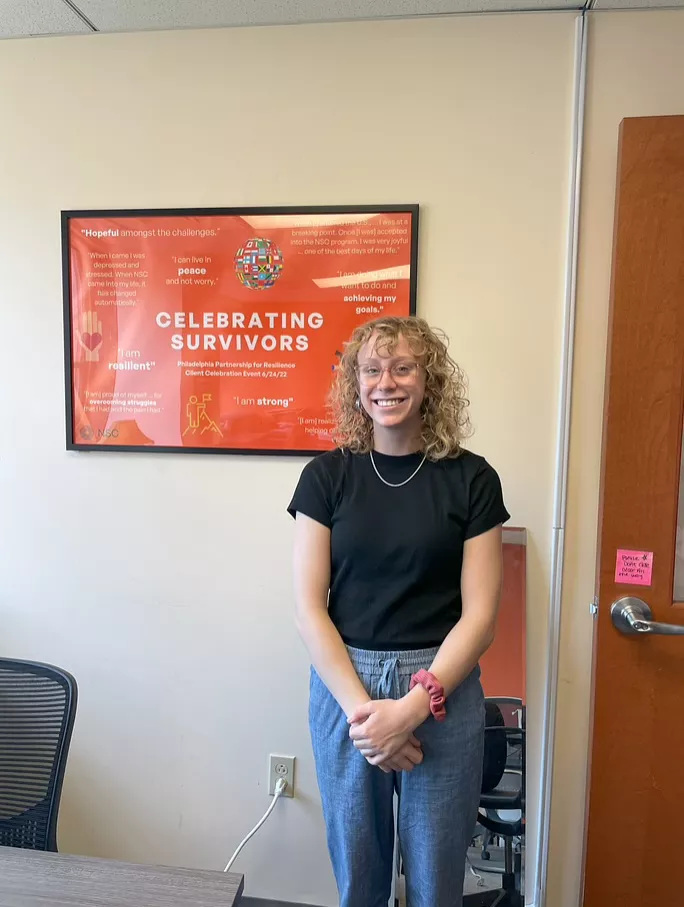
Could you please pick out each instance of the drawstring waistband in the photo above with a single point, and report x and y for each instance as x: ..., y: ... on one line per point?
x: 390, y: 667
x: 389, y: 679
x: 403, y: 663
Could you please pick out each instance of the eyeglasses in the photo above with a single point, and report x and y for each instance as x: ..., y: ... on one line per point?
x: 401, y: 372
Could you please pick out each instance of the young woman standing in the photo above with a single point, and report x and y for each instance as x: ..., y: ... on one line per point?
x: 397, y: 579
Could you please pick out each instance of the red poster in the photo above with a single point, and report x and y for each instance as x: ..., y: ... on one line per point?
x: 218, y: 330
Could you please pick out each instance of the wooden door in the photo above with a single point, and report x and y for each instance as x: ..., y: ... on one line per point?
x: 636, y: 791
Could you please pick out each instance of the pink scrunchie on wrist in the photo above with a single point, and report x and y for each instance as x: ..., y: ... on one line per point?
x: 430, y: 683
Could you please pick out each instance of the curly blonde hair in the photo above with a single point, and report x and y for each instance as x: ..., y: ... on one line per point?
x: 444, y: 408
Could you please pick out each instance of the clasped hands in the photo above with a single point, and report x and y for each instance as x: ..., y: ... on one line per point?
x: 382, y: 730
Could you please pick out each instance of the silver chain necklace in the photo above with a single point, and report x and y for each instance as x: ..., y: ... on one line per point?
x: 397, y: 484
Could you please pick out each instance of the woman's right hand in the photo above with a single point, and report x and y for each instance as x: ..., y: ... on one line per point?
x: 406, y: 759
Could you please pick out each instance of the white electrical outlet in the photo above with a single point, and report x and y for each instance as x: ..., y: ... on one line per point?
x: 281, y: 767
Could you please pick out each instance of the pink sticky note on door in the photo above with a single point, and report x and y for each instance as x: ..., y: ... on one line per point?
x: 634, y: 568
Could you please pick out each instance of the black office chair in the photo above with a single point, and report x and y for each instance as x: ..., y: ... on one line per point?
x: 37, y: 711
x: 503, y: 789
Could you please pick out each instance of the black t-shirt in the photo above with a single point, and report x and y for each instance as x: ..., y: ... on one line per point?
x: 397, y: 553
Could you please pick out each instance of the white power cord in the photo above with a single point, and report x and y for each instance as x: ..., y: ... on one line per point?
x: 280, y: 788
x: 480, y: 880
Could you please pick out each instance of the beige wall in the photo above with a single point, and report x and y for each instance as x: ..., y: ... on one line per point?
x: 161, y: 581
x: 101, y: 556
x: 635, y: 68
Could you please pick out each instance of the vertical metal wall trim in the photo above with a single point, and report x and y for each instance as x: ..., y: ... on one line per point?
x: 562, y: 456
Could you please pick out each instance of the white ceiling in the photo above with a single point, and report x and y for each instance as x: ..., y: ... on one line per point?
x: 25, y: 18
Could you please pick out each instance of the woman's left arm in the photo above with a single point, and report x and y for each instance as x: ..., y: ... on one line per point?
x: 468, y: 640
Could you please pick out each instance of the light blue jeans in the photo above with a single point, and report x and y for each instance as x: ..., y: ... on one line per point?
x: 438, y: 800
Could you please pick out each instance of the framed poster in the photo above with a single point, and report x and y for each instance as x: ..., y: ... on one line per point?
x: 218, y: 330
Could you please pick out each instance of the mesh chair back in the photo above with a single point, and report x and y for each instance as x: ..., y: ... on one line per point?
x: 37, y: 710
x: 495, y: 747
x: 504, y: 754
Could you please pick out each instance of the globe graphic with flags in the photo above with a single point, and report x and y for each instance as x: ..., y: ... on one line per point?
x: 258, y: 264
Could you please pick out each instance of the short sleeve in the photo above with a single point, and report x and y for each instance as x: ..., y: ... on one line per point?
x: 487, y: 508
x: 313, y: 495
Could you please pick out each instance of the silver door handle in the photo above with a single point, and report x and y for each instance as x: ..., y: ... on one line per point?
x: 632, y: 616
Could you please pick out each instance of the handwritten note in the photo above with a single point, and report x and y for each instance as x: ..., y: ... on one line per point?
x: 634, y: 568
